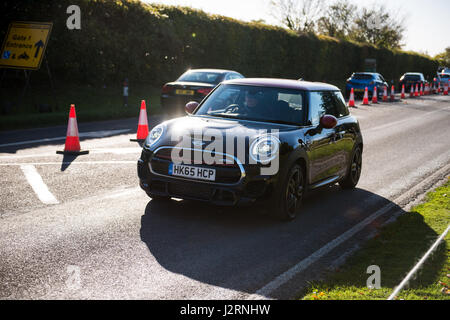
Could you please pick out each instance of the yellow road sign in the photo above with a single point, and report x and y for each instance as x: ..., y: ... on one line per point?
x: 24, y: 45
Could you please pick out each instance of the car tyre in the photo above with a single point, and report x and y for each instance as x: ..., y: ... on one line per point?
x: 290, y: 196
x: 354, y: 172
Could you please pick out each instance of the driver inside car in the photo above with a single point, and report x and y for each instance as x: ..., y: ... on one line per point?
x: 255, y: 103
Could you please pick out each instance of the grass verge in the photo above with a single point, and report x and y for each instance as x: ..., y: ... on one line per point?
x: 92, y: 104
x: 396, y: 249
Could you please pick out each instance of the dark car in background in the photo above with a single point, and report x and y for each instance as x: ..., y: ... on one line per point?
x: 301, y: 132
x: 412, y: 79
x: 193, y: 85
x: 360, y: 80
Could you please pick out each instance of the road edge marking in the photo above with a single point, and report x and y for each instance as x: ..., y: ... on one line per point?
x: 283, y: 278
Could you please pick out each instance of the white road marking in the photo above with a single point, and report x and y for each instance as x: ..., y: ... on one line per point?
x: 39, y: 187
x: 91, y: 151
x: 93, y: 134
x: 305, y: 263
x: 396, y: 123
x: 68, y: 162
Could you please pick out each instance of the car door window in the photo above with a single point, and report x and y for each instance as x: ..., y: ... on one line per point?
x: 320, y: 104
x: 341, y: 107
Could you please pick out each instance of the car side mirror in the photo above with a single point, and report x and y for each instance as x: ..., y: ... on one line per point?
x: 190, y: 107
x: 328, y: 121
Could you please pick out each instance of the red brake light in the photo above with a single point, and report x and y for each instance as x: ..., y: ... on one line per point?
x: 166, y: 89
x: 204, y: 91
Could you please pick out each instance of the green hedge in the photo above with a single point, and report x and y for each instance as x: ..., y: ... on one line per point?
x: 154, y: 44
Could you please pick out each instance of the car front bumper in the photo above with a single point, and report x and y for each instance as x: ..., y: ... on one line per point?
x: 252, y: 188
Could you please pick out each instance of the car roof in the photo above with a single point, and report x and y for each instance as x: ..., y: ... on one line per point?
x: 283, y: 83
x: 211, y: 70
x: 414, y: 73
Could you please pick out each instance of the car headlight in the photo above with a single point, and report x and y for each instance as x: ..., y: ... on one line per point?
x: 154, y: 135
x: 265, y: 149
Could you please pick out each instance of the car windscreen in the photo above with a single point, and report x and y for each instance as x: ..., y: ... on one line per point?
x: 274, y: 105
x: 362, y: 76
x: 412, y: 77
x: 204, y: 77
x: 444, y: 76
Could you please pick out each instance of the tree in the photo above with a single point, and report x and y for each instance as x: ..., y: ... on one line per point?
x: 378, y: 27
x: 297, y: 15
x: 338, y: 20
x: 444, y: 57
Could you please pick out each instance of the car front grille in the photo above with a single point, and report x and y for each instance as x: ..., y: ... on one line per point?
x: 228, y: 171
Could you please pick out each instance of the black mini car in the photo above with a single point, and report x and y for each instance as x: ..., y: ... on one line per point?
x: 255, y: 141
x: 193, y: 85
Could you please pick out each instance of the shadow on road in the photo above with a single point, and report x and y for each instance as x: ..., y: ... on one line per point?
x: 238, y: 249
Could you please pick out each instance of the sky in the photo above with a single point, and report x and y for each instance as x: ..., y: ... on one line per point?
x: 427, y: 22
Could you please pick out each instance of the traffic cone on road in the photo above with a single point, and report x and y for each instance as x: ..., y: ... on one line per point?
x: 392, y: 93
x: 375, y: 95
x: 142, y: 131
x: 411, y: 94
x: 366, y: 97
x: 72, y: 146
x: 385, y: 98
x: 416, y: 94
x: 351, y: 101
x: 403, y: 92
x: 446, y: 89
x: 421, y: 89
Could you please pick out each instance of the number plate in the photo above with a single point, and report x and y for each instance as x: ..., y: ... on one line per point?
x: 358, y: 90
x: 185, y: 92
x: 191, y: 172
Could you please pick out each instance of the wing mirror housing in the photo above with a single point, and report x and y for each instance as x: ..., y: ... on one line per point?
x: 328, y: 121
x: 190, y: 107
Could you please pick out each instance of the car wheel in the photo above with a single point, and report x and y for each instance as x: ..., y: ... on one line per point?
x: 354, y: 173
x: 291, y: 194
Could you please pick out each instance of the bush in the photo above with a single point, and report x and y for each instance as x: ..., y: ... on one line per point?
x: 155, y: 43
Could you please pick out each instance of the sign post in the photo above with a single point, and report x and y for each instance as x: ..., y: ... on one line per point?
x: 25, y: 44
x: 24, y: 48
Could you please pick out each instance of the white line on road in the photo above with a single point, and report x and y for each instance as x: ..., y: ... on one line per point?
x: 305, y: 263
x: 91, y: 151
x: 396, y: 123
x: 68, y: 162
x: 93, y: 134
x: 39, y: 187
x: 282, y: 279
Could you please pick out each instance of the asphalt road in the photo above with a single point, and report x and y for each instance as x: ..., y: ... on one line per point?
x: 100, y: 237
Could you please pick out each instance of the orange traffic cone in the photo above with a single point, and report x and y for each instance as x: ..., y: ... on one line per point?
x: 375, y: 95
x: 142, y: 131
x: 446, y: 89
x: 351, y: 101
x: 411, y: 94
x: 385, y: 98
x: 416, y: 94
x: 421, y: 89
x: 403, y: 92
x: 72, y: 146
x: 392, y: 93
x: 366, y: 97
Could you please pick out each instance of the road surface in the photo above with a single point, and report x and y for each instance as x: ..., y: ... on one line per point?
x: 80, y: 228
